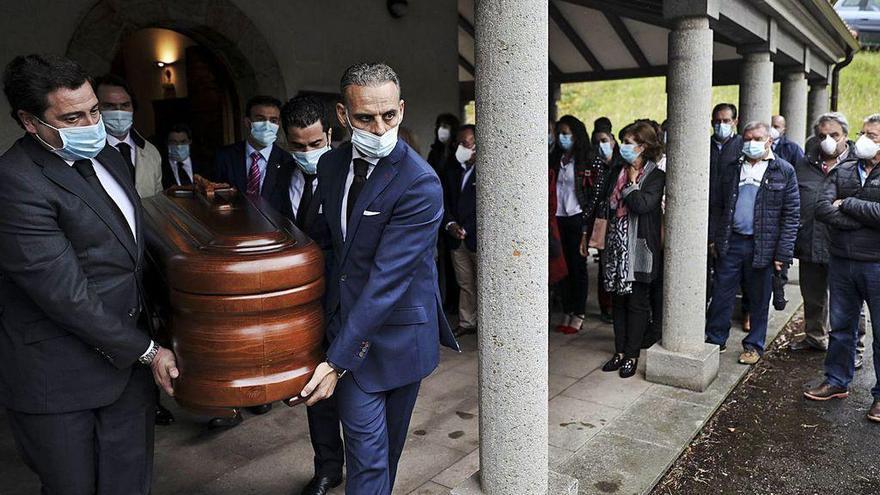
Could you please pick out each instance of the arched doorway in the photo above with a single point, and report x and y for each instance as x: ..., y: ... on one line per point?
x: 216, y: 58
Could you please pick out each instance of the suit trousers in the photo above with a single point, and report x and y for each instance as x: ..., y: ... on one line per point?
x: 104, y: 451
x: 375, y: 427
x: 465, y: 262
x: 326, y: 440
x: 814, y: 289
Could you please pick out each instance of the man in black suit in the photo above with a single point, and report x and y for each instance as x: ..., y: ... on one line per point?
x: 256, y: 166
x: 308, y: 137
x: 75, y: 349
x: 460, y: 224
x: 178, y: 168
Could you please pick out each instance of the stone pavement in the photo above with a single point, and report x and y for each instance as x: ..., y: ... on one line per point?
x: 613, y: 435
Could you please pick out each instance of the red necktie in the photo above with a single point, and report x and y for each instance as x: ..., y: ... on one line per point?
x: 253, y: 186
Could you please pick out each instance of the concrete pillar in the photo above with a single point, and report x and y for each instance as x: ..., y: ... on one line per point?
x: 684, y: 359
x: 817, y: 102
x: 755, y: 88
x: 793, y: 106
x: 511, y: 111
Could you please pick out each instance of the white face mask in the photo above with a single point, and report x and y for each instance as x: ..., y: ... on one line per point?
x: 829, y: 146
x: 443, y: 134
x: 308, y: 160
x: 264, y: 132
x: 866, y: 148
x: 117, y: 122
x: 774, y: 133
x: 463, y: 154
x: 371, y: 145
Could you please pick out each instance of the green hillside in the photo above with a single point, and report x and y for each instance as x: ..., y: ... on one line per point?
x: 625, y: 101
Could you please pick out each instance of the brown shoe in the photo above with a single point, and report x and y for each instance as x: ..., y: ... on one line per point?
x: 826, y: 391
x: 749, y: 356
x: 874, y: 412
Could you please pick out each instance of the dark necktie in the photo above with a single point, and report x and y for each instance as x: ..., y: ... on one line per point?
x: 361, y: 167
x: 182, y: 176
x: 305, y: 200
x: 125, y: 149
x: 87, y: 171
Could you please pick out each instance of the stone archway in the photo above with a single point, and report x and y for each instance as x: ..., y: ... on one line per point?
x: 218, y: 25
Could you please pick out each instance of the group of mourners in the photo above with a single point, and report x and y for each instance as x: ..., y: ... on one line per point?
x: 770, y: 202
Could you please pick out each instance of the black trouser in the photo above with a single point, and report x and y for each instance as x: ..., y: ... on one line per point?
x: 324, y: 431
x: 631, y: 315
x: 575, y: 286
x: 103, y: 450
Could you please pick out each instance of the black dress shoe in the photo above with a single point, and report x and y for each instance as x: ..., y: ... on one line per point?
x: 614, y: 363
x: 804, y: 345
x: 258, y: 410
x: 461, y: 331
x: 320, y: 485
x: 163, y: 416
x: 629, y: 367
x: 222, y: 423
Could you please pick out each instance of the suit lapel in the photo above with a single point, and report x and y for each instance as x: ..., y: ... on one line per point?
x: 240, y: 164
x: 335, y: 192
x: 384, y: 173
x: 59, y: 172
x: 117, y: 169
x: 273, y: 167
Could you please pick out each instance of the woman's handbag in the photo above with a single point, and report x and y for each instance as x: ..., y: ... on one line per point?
x: 597, y: 240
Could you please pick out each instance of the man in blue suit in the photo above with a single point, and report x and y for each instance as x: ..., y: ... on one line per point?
x: 383, y: 205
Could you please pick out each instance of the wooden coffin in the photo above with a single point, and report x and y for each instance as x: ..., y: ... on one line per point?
x: 238, y: 290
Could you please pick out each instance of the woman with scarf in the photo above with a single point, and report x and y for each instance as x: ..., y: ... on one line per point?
x: 633, y: 249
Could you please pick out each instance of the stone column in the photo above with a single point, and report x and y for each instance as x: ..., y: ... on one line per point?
x: 755, y: 88
x: 817, y: 102
x: 684, y: 359
x: 793, y: 106
x: 511, y: 111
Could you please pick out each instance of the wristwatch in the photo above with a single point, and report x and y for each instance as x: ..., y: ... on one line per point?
x: 339, y: 371
x: 147, y: 358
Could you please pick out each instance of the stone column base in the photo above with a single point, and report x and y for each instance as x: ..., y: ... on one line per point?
x: 559, y: 484
x: 691, y: 371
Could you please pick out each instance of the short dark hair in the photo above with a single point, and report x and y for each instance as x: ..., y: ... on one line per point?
x: 467, y: 127
x: 28, y: 80
x: 368, y: 74
x: 119, y: 82
x: 724, y: 106
x: 181, y: 127
x: 261, y: 101
x: 602, y: 124
x: 303, y: 111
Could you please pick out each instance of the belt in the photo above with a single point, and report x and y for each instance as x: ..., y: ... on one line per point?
x: 743, y: 236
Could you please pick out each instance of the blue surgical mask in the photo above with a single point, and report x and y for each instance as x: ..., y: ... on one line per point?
x: 178, y: 152
x: 264, y: 132
x: 755, y: 149
x: 371, y: 145
x: 308, y: 160
x: 723, y: 130
x: 605, y: 149
x: 628, y: 152
x: 78, y: 142
x: 117, y: 122
x: 566, y: 142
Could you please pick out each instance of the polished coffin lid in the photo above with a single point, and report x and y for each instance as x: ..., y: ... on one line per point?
x: 211, y: 240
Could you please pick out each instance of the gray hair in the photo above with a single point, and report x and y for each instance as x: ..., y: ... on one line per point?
x: 831, y: 117
x: 368, y: 74
x: 756, y: 124
x: 873, y: 119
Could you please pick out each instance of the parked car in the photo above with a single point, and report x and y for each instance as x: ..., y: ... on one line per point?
x: 863, y: 17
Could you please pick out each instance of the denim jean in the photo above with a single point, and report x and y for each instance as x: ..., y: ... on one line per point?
x: 731, y: 270
x: 851, y: 283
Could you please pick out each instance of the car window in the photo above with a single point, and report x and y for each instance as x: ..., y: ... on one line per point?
x: 849, y: 4
x: 873, y: 6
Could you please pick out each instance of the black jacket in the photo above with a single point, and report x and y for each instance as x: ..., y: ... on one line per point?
x: 644, y: 202
x: 812, y: 239
x: 231, y: 167
x: 70, y: 285
x: 720, y: 158
x: 168, y: 175
x: 460, y: 205
x: 854, y: 226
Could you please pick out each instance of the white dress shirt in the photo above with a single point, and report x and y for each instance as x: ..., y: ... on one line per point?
x: 297, y: 185
x: 262, y: 164
x: 117, y: 194
x: 348, y: 182
x: 114, y: 141
x: 187, y: 167
x: 566, y: 200
x: 466, y: 175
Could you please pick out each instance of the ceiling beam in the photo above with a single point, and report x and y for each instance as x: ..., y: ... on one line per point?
x: 644, y: 11
x: 554, y: 70
x: 466, y: 25
x: 627, y: 38
x: 724, y: 72
x: 467, y: 65
x: 573, y: 37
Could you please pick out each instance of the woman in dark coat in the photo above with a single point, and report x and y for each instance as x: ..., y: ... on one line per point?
x: 633, y: 248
